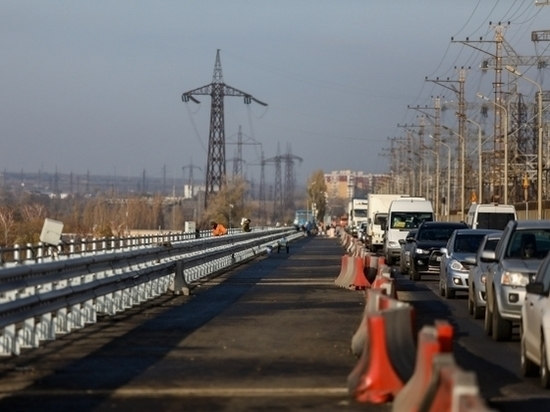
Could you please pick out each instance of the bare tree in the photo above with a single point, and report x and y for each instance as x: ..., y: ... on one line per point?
x: 7, y: 224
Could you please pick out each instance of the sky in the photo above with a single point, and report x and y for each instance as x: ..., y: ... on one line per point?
x: 96, y: 85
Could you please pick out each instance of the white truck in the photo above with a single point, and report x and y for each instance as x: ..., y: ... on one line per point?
x: 377, y: 216
x: 357, y: 214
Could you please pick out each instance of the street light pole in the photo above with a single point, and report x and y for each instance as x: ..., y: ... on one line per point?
x: 436, y: 178
x: 480, y: 160
x: 514, y: 71
x: 462, y: 155
x: 448, y: 179
x: 505, y: 144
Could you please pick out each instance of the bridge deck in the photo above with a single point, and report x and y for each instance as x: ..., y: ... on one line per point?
x: 271, y: 335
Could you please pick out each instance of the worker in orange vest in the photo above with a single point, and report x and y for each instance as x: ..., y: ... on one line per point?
x: 218, y: 229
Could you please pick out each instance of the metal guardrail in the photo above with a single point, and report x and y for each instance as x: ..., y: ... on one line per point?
x: 40, y: 300
x: 76, y: 246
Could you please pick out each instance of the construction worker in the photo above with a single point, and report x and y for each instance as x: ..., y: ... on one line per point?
x: 245, y: 224
x: 218, y: 229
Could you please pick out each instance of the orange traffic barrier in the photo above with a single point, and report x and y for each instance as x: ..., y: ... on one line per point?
x: 452, y: 389
x: 359, y: 279
x: 387, y: 358
x: 371, y: 267
x: 412, y: 395
x: 445, y: 333
x: 352, y: 274
x: 375, y: 300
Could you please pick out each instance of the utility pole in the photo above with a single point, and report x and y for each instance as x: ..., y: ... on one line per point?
x: 238, y: 160
x: 191, y: 182
x: 278, y: 191
x: 521, y: 160
x: 217, y: 90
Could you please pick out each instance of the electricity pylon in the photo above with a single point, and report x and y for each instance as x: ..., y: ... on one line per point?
x: 217, y: 90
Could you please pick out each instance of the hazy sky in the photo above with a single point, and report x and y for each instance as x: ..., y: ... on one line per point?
x: 97, y: 85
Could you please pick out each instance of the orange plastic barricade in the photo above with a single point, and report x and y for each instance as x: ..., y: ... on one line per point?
x: 375, y: 300
x: 387, y: 360
x: 359, y: 279
x: 452, y: 389
x: 409, y: 399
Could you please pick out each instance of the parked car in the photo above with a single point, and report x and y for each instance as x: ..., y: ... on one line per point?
x: 406, y: 245
x: 535, y: 326
x: 453, y: 268
x: 477, y: 276
x: 426, y: 249
x: 515, y: 261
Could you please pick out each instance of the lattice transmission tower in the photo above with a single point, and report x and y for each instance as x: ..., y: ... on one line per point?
x: 217, y: 90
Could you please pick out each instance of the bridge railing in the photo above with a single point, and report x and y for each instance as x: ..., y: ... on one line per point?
x: 40, y: 300
x: 73, y: 245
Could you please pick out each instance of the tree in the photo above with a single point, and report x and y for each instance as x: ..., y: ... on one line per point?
x: 317, y: 194
x: 7, y: 223
x: 226, y: 206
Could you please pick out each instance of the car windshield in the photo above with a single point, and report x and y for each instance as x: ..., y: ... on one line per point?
x: 436, y: 233
x: 409, y: 220
x: 467, y: 243
x: 529, y: 244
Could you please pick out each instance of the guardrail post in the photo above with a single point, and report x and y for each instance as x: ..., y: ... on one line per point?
x: 179, y: 285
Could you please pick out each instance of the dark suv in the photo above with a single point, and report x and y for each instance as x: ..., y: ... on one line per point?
x: 426, y: 252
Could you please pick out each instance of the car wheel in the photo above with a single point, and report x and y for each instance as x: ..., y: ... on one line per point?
x: 528, y: 367
x: 488, y: 324
x: 544, y: 372
x: 502, y: 328
x: 414, y: 273
x: 441, y: 289
x: 450, y: 294
x: 477, y: 311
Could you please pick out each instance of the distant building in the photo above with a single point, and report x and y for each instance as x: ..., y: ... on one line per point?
x: 348, y: 184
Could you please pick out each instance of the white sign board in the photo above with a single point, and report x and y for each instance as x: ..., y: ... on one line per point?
x: 190, y: 227
x: 51, y: 232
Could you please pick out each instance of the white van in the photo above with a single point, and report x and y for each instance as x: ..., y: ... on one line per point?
x: 404, y: 214
x: 490, y: 216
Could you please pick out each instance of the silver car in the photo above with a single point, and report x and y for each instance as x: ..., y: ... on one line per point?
x: 516, y: 259
x: 454, y: 266
x: 477, y: 276
x: 535, y: 326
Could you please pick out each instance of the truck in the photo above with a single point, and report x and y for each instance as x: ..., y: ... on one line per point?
x: 404, y: 214
x: 357, y: 212
x: 377, y: 215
